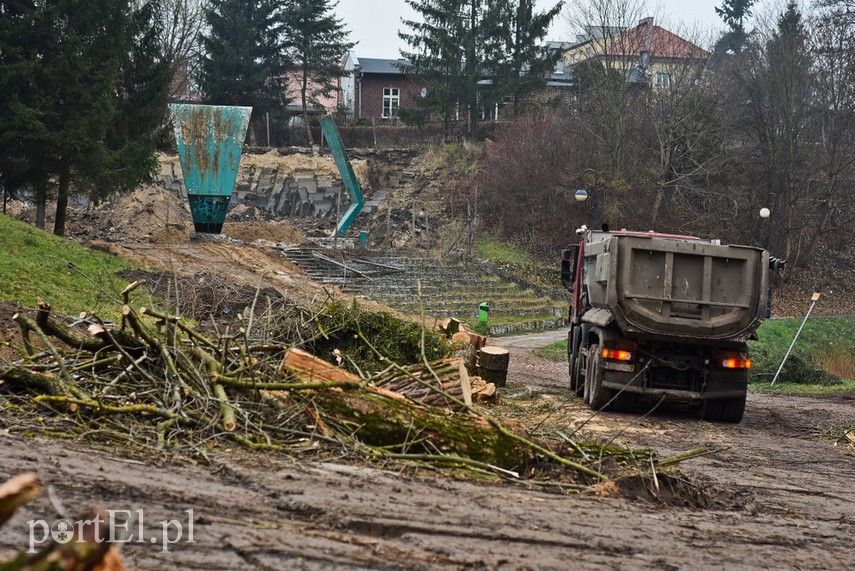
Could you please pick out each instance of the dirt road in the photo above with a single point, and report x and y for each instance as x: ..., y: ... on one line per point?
x: 780, y: 497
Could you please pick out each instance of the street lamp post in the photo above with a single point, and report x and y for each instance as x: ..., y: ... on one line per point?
x: 772, y: 243
x: 766, y: 213
x: 582, y: 194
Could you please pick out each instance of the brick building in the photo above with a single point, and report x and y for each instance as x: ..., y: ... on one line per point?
x: 377, y: 88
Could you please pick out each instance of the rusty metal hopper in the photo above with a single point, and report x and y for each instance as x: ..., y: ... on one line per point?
x: 210, y: 142
x: 668, y: 287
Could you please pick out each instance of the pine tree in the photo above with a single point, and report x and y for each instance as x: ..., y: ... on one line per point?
x: 63, y: 96
x: 437, y: 55
x: 18, y: 50
x: 733, y: 13
x: 138, y: 129
x: 460, y: 43
x: 316, y: 42
x: 523, y: 65
x: 243, y: 62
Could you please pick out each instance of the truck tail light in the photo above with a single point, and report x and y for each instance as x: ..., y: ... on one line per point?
x: 732, y: 360
x: 618, y: 355
x: 619, y: 350
x: 735, y: 363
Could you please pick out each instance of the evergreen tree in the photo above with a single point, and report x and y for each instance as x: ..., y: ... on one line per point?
x: 139, y: 127
x: 242, y: 62
x: 460, y: 43
x: 522, y: 64
x: 72, y: 63
x: 733, y: 13
x: 18, y: 49
x: 438, y: 54
x: 64, y: 106
x: 316, y: 42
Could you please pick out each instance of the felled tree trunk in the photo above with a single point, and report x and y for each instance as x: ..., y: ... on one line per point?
x: 383, y: 417
x: 399, y: 424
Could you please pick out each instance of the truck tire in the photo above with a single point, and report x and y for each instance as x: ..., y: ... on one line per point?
x: 723, y: 410
x: 595, y: 395
x: 574, y: 382
x: 577, y: 383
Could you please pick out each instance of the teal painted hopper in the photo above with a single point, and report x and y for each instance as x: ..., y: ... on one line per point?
x: 210, y: 142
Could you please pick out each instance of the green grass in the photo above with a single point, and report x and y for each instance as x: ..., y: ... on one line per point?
x: 824, y: 354
x: 489, y: 248
x: 554, y: 351
x: 788, y: 388
x: 71, y: 277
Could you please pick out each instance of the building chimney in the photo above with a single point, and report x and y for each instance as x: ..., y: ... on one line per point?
x: 646, y: 27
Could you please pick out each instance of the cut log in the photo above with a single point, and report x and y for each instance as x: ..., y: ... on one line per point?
x: 311, y: 369
x: 425, y: 384
x: 461, y: 337
x: 441, y: 327
x: 494, y: 358
x: 477, y: 341
x: 408, y: 410
x: 493, y: 365
x: 16, y: 492
x: 482, y: 390
x: 453, y: 326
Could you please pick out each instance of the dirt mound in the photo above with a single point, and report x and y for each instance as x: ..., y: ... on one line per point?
x: 14, y: 208
x: 153, y: 214
x: 273, y: 231
x: 150, y: 213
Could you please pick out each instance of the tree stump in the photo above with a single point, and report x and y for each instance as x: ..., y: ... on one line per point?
x: 493, y: 365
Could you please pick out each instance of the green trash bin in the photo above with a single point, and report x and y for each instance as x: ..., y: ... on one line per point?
x: 363, y: 238
x: 483, y: 310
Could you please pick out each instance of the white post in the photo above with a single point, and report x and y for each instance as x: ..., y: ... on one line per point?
x: 814, y: 298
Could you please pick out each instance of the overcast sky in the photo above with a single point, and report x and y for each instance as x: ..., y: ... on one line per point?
x: 374, y: 24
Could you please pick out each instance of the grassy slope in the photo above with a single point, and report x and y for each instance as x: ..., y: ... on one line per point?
x: 71, y: 277
x: 823, y: 359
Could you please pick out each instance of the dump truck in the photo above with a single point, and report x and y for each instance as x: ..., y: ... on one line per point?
x: 663, y: 318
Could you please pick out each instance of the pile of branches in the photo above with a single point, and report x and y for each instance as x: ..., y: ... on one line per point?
x: 155, y: 381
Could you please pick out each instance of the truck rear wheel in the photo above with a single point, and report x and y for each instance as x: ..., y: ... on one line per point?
x: 577, y: 383
x: 723, y: 410
x: 595, y: 395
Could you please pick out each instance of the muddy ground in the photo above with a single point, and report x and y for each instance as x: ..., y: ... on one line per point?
x: 777, y: 495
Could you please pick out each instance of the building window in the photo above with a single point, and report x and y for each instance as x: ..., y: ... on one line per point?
x: 663, y: 80
x: 391, y: 101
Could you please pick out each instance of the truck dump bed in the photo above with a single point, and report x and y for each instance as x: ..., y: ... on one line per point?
x: 677, y: 286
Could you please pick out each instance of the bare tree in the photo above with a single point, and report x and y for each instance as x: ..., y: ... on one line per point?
x: 776, y: 130
x: 183, y: 22
x: 611, y: 53
x: 683, y: 113
x: 831, y: 40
